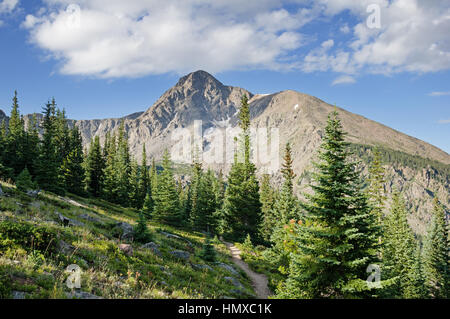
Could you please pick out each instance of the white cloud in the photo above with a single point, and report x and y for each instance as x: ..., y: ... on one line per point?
x: 413, y: 37
x: 344, y: 79
x: 437, y: 93
x: 444, y: 121
x: 7, y: 6
x: 345, y: 29
x: 135, y: 38
x: 117, y: 38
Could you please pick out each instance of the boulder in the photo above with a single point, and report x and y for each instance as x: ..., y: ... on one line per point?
x: 127, y: 230
x: 153, y: 247
x: 33, y: 193
x: 126, y: 249
x: 169, y: 235
x: 228, y: 268
x: 91, y: 218
x: 65, y: 248
x: 180, y: 254
x: 67, y: 221
x: 1, y: 191
x: 201, y: 267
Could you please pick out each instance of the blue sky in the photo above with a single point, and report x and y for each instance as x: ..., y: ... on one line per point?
x: 111, y: 58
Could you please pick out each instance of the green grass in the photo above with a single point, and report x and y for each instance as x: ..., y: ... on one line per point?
x: 32, y: 261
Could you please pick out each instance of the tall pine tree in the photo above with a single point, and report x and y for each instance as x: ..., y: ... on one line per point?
x: 166, y: 202
x: 337, y: 239
x: 437, y: 249
x: 242, y: 206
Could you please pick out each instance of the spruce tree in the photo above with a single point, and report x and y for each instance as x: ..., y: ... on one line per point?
x: 94, y: 168
x: 141, y: 232
x: 242, y: 206
x: 437, y: 249
x: 398, y: 250
x: 144, y: 178
x: 72, y: 168
x: 376, y: 191
x: 134, y: 191
x: 337, y: 239
x: 122, y: 167
x: 24, y: 182
x: 109, y: 189
x: 14, y: 156
x: 147, y: 209
x: 208, y: 252
x: 286, y: 206
x: 166, y: 202
x: 47, y: 163
x: 268, y: 198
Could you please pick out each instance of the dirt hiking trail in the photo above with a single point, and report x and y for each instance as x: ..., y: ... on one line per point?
x: 259, y: 281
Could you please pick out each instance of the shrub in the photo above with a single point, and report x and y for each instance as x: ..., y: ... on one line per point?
x: 141, y: 232
x: 27, y: 236
x: 24, y: 182
x: 208, y: 252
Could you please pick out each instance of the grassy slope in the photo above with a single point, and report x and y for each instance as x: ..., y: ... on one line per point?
x: 32, y: 260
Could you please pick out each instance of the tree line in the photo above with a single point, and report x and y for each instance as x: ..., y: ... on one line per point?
x: 322, y: 245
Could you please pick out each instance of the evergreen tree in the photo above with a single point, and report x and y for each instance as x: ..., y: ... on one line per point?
x: 208, y: 252
x: 417, y: 288
x: 376, y: 191
x: 24, y: 182
x: 437, y: 263
x: 72, y: 168
x: 286, y: 206
x: 134, y: 191
x: 141, y: 232
x: 14, y: 156
x: 144, y: 178
x: 268, y: 198
x: 398, y: 250
x: 242, y: 206
x: 109, y: 190
x: 166, y: 202
x: 94, y: 168
x: 47, y: 163
x: 122, y: 168
x: 337, y: 239
x: 147, y: 209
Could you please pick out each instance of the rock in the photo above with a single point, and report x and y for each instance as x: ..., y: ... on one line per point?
x: 65, y: 248
x: 67, y: 221
x: 228, y: 268
x: 18, y: 295
x: 1, y: 192
x: 153, y: 247
x: 235, y: 282
x: 126, y: 249
x: 169, y: 235
x: 81, y: 295
x: 181, y: 254
x: 201, y: 267
x: 33, y: 193
x: 127, y: 230
x: 91, y: 219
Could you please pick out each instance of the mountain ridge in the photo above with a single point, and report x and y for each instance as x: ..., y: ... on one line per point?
x: 300, y: 119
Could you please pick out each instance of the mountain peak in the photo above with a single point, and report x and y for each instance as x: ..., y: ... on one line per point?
x: 198, y: 79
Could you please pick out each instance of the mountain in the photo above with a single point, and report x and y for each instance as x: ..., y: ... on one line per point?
x: 417, y: 168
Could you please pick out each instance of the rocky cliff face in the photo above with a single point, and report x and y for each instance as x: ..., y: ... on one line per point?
x: 299, y: 118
